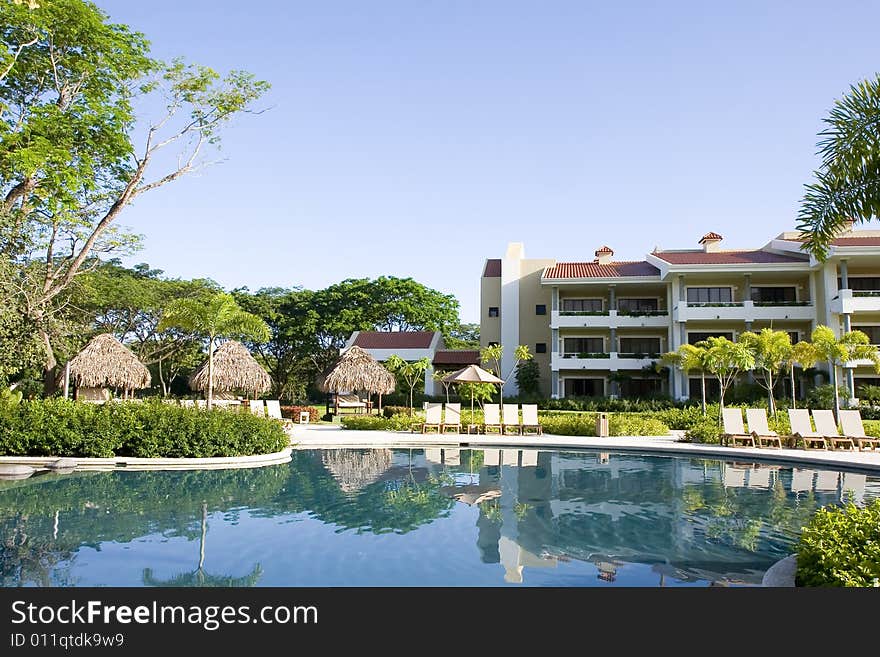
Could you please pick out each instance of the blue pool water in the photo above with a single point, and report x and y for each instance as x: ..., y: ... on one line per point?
x: 420, y: 517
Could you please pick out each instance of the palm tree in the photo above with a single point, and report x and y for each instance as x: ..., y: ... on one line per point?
x: 847, y: 185
x: 854, y: 345
x: 689, y: 358
x: 771, y: 349
x: 804, y: 354
x: 493, y: 355
x: 726, y: 359
x: 218, y: 316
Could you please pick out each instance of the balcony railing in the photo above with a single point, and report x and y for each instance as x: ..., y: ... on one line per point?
x: 782, y: 303
x: 638, y: 355
x: 585, y: 354
x: 715, y: 304
x: 642, y: 313
x: 866, y: 293
x: 583, y: 313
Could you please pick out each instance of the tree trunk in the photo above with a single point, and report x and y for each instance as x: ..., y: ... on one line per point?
x: 793, y: 391
x: 836, y: 397
x: 210, y: 395
x: 49, y: 364
x: 161, y: 379
x: 770, y: 392
x: 703, y: 389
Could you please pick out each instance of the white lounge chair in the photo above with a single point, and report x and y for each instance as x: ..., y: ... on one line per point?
x: 433, y: 414
x: 734, y: 477
x: 492, y: 457
x: 826, y: 425
x: 801, y: 428
x: 853, y: 486
x: 802, y: 480
x: 529, y: 458
x: 827, y: 480
x: 757, y: 419
x: 257, y: 407
x: 734, y: 431
x: 510, y: 457
x: 451, y: 457
x: 492, y: 419
x: 759, y: 478
x: 433, y: 455
x: 510, y: 419
x: 452, y: 421
x: 853, y: 428
x: 530, y: 420
x: 273, y: 409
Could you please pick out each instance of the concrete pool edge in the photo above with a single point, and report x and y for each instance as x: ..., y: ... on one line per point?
x: 133, y: 463
x: 334, y: 438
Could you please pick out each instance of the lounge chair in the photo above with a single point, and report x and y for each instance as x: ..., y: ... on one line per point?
x: 492, y: 457
x: 734, y: 431
x: 510, y: 457
x: 757, y: 419
x: 348, y: 400
x: 826, y: 425
x: 433, y: 455
x: 257, y: 407
x: 530, y: 420
x: 452, y: 419
x: 492, y: 419
x: 802, y: 480
x: 452, y: 457
x: 510, y: 419
x: 759, y: 477
x: 853, y: 428
x: 853, y: 486
x: 529, y: 458
x: 734, y: 477
x: 273, y: 409
x: 801, y: 428
x: 433, y: 413
x: 826, y: 480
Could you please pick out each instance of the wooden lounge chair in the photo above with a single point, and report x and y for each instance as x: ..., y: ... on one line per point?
x: 348, y: 400
x: 452, y: 420
x: 510, y: 419
x: 757, y: 419
x: 826, y: 425
x: 801, y: 428
x: 492, y: 419
x: 853, y: 428
x: 257, y: 407
x: 734, y: 431
x: 433, y: 414
x: 530, y: 420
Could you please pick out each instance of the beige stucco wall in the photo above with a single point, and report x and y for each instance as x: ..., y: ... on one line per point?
x: 490, y: 295
x: 536, y: 328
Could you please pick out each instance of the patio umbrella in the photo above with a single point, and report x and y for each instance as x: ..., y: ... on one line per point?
x: 472, y: 374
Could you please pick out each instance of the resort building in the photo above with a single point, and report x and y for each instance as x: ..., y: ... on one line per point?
x: 598, y: 327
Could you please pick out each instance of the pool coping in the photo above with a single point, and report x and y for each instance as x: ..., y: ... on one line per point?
x: 136, y: 463
x: 337, y: 438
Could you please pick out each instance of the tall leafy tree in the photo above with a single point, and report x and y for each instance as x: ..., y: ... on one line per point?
x: 847, y: 184
x: 690, y: 358
x: 493, y: 355
x: 73, y: 155
x: 802, y: 353
x: 216, y: 317
x: 854, y: 345
x: 726, y: 360
x: 411, y: 372
x: 772, y: 350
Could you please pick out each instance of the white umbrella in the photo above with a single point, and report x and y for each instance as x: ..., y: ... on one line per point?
x: 472, y: 374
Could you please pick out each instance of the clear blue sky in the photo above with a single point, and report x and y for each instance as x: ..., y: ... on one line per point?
x: 417, y: 138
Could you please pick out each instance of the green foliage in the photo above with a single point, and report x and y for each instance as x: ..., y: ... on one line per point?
x: 397, y: 422
x: 57, y: 427
x: 771, y: 350
x: 466, y: 336
x: 584, y: 424
x: 820, y: 397
x: 528, y: 378
x: 872, y: 427
x: 841, y: 547
x: 706, y: 430
x: 869, y: 393
x: 847, y: 185
x: 726, y: 359
x: 292, y: 412
x: 410, y: 372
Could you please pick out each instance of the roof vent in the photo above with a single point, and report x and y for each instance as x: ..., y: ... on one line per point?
x: 710, y: 242
x: 604, y: 255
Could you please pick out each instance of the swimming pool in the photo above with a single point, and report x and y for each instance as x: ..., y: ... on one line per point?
x: 417, y: 517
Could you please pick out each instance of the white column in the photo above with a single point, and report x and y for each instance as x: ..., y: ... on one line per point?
x: 430, y: 384
x: 510, y: 275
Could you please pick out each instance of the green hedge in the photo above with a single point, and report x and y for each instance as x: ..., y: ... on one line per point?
x: 57, y: 427
x: 841, y: 547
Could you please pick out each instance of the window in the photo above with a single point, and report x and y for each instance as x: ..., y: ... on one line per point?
x: 713, y: 390
x: 695, y: 337
x: 873, y: 333
x: 493, y: 344
x: 582, y: 305
x: 640, y: 388
x: 541, y: 348
x: 794, y: 336
x: 709, y: 295
x: 541, y: 309
x: 862, y: 283
x: 493, y: 311
x: 774, y: 295
x: 584, y: 387
x: 647, y: 346
x: 637, y: 305
x: 583, y: 345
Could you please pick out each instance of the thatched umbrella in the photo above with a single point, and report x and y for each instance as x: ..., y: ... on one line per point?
x: 356, y: 470
x: 357, y: 370
x: 472, y: 374
x: 107, y: 363
x: 234, y: 369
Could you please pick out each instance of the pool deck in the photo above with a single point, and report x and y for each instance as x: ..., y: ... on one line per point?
x: 332, y: 437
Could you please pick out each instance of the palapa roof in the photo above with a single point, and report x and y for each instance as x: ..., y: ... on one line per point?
x: 234, y: 369
x: 356, y: 470
x: 107, y: 363
x: 357, y: 370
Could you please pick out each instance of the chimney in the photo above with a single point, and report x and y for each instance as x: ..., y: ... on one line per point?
x: 847, y: 225
x: 603, y: 256
x: 710, y: 242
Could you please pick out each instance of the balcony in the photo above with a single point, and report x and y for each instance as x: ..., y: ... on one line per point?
x: 848, y: 302
x: 611, y: 361
x: 745, y: 311
x: 610, y: 319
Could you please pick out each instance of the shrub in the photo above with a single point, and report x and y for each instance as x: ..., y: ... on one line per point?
x: 841, y: 547
x: 398, y: 422
x: 821, y: 397
x: 292, y: 412
x: 57, y: 427
x: 389, y: 411
x: 706, y: 430
x: 872, y: 428
x: 635, y: 425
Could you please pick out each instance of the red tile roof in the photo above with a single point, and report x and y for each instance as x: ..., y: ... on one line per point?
x: 725, y: 258
x: 595, y: 270
x: 394, y: 339
x: 458, y: 357
x: 493, y: 269
x: 710, y: 236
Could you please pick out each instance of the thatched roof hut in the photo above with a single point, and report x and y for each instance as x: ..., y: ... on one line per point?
x: 356, y: 470
x: 234, y: 369
x: 107, y: 363
x: 357, y: 370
